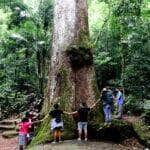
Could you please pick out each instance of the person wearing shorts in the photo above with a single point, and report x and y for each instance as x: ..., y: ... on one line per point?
x: 56, y: 123
x: 23, y: 131
x: 82, y: 112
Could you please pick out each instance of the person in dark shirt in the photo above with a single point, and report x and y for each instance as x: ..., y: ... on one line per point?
x: 107, y: 99
x: 56, y: 114
x: 82, y: 112
x: 57, y: 122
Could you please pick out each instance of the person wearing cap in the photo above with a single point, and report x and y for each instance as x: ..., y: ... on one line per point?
x: 107, y: 100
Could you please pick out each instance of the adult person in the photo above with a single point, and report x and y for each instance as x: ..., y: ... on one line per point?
x: 83, y: 112
x: 107, y: 99
x: 119, y: 102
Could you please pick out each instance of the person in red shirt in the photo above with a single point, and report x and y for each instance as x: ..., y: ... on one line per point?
x: 24, y: 126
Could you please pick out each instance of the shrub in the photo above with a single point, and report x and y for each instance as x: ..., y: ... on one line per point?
x: 146, y: 117
x: 133, y: 105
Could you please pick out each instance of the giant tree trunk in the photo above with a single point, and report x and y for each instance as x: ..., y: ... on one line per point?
x: 72, y: 76
x: 71, y: 62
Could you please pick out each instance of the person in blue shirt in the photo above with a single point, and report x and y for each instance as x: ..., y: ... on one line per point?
x: 119, y: 101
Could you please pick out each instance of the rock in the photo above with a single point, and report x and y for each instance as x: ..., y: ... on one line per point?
x: 7, y: 127
x: 7, y: 122
x: 75, y: 145
x: 143, y: 133
x: 117, y: 131
x: 9, y: 134
x: 83, y: 145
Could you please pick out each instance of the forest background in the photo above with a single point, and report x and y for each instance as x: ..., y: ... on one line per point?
x: 120, y: 37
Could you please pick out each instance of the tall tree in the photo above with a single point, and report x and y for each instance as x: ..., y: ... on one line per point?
x: 71, y: 61
x: 72, y: 76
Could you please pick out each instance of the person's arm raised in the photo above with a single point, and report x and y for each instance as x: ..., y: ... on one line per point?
x: 41, y: 119
x: 71, y: 113
x: 65, y: 112
x: 94, y: 104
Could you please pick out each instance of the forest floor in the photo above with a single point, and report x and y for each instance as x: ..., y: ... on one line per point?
x: 8, y: 144
x: 128, y: 144
x: 89, y: 145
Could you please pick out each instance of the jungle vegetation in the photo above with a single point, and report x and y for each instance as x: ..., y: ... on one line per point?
x: 120, y: 37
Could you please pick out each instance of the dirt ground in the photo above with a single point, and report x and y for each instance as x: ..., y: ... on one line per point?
x: 88, y: 145
x: 130, y: 144
x: 8, y: 144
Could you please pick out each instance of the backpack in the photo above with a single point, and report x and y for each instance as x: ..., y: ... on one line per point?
x: 58, y: 120
x: 109, y: 98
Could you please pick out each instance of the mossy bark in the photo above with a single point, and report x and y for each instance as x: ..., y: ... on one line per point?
x: 42, y: 133
x: 143, y: 132
x: 70, y: 83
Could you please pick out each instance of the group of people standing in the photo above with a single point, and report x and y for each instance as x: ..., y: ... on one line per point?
x: 108, y: 98
x: 57, y: 125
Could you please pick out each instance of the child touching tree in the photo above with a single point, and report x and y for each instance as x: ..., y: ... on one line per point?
x: 24, y: 126
x: 57, y: 122
x: 23, y: 131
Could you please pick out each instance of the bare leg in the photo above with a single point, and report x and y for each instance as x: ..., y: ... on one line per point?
x: 59, y: 135
x: 55, y: 135
x: 20, y: 147
x: 79, y: 135
x: 79, y: 130
x: 85, y: 132
x: 85, y: 135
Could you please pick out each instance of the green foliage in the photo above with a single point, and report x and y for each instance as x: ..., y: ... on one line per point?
x: 12, y: 103
x: 133, y: 105
x: 121, y: 49
x: 120, y: 31
x: 143, y: 132
x: 146, y: 117
x: 43, y: 133
x: 24, y: 53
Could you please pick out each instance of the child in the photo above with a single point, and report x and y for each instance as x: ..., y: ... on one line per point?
x: 23, y: 131
x: 56, y: 122
x: 24, y: 127
x: 30, y: 133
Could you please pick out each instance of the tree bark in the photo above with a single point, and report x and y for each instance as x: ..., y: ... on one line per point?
x: 70, y: 29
